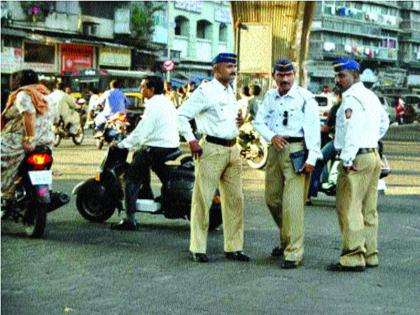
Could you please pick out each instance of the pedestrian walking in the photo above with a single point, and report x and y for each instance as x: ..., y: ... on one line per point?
x: 288, y: 119
x: 361, y: 122
x: 218, y: 162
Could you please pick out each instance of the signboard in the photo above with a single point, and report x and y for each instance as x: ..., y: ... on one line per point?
x: 255, y: 49
x: 118, y: 57
x: 168, y: 65
x: 189, y: 5
x: 11, y: 59
x: 76, y: 57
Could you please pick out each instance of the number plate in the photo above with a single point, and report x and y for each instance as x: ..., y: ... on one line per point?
x: 41, y: 177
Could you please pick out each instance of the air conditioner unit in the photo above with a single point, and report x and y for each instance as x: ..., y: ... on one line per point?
x: 90, y: 29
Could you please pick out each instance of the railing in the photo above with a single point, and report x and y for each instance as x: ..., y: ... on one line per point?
x: 316, y: 49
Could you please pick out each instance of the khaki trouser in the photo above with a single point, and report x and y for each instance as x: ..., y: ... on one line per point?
x: 285, y: 197
x: 218, y: 166
x: 357, y: 210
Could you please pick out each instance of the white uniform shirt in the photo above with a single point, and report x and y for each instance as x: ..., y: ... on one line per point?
x: 367, y: 124
x: 214, y: 108
x: 302, y: 118
x: 158, y: 126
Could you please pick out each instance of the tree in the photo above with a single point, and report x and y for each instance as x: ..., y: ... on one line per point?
x: 142, y: 23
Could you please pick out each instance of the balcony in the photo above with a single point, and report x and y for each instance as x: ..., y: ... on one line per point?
x: 410, y: 25
x: 319, y: 49
x: 337, y: 25
x: 204, y: 50
x: 180, y: 43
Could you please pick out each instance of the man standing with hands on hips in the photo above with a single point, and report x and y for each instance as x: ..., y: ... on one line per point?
x: 214, y: 107
x: 288, y: 119
x: 361, y: 122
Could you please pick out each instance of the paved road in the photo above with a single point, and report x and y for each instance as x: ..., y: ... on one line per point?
x: 84, y: 268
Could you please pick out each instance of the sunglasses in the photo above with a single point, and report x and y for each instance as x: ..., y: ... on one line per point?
x: 285, y: 117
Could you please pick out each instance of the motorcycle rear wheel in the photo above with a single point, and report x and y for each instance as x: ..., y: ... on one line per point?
x: 91, y: 206
x: 35, y: 221
x: 78, y: 138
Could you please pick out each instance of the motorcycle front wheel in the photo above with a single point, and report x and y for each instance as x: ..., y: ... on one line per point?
x: 78, y: 138
x: 35, y: 220
x: 91, y: 205
x: 258, y: 154
x: 57, y: 139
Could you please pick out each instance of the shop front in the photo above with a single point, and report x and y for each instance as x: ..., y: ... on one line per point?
x: 74, y: 57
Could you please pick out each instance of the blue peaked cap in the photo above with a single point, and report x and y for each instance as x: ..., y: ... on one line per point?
x: 224, y: 57
x: 283, y: 65
x: 345, y: 64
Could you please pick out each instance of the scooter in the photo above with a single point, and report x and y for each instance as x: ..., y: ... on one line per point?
x: 99, y: 197
x: 253, y: 147
x: 33, y: 199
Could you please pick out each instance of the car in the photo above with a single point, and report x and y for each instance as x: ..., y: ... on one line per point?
x: 392, y: 115
x: 324, y: 105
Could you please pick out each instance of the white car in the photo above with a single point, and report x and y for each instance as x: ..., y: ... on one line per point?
x: 324, y: 105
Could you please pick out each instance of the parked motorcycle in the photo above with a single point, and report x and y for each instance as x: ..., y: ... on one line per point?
x: 98, y: 198
x: 33, y: 198
x: 253, y: 147
x: 116, y: 125
x: 63, y: 132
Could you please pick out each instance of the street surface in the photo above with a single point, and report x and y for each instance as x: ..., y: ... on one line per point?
x: 85, y: 268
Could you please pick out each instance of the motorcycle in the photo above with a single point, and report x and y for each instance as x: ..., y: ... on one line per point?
x: 33, y: 199
x: 63, y: 132
x: 253, y: 147
x: 99, y: 197
x: 329, y: 185
x: 116, y: 125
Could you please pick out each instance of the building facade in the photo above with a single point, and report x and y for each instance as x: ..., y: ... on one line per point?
x: 191, y: 33
x: 381, y: 35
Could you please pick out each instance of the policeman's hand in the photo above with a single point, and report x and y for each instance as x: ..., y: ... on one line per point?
x: 347, y: 169
x: 307, y: 168
x: 279, y: 142
x: 195, y: 148
x: 114, y: 145
x: 239, y: 119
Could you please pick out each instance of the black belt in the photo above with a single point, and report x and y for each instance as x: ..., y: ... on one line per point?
x: 365, y: 150
x: 294, y: 139
x: 221, y: 141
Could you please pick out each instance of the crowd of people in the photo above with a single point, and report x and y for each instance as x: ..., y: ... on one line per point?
x: 286, y: 117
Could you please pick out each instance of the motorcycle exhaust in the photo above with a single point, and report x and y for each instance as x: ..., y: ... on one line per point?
x: 58, y: 199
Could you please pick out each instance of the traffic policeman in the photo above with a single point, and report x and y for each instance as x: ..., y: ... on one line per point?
x: 288, y: 119
x: 361, y: 122
x: 218, y: 162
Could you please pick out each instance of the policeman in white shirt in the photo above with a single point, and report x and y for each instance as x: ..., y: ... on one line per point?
x: 361, y: 122
x: 288, y: 119
x: 157, y: 134
x: 218, y: 162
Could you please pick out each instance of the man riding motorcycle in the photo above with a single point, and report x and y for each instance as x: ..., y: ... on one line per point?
x: 157, y: 134
x: 66, y: 107
x: 114, y: 102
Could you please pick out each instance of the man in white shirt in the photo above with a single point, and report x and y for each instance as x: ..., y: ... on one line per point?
x: 157, y: 134
x: 361, y: 122
x: 288, y: 119
x: 217, y: 159
x: 66, y: 108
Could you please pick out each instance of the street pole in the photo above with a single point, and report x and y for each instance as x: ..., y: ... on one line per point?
x: 168, y: 73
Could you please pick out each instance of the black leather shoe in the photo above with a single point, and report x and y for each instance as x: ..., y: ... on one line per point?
x: 125, y: 225
x: 199, y: 257
x: 277, y: 252
x: 340, y: 267
x: 238, y: 256
x: 290, y: 264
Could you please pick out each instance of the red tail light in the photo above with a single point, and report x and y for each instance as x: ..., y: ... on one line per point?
x: 325, y: 114
x: 38, y: 161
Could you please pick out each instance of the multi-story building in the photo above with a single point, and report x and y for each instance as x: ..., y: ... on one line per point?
x: 191, y: 33
x: 371, y: 32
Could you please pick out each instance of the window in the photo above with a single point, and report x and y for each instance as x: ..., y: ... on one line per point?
x: 204, y: 29
x: 182, y: 25
x: 222, y: 32
x: 39, y: 53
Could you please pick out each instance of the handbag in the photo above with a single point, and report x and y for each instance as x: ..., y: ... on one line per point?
x: 298, y: 159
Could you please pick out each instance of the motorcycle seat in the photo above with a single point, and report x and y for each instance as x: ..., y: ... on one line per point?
x: 172, y: 156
